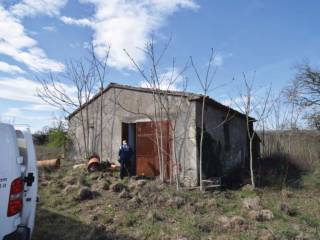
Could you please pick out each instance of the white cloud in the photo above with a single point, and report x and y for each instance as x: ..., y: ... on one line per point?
x: 19, y: 89
x: 40, y: 107
x: 12, y: 31
x: 25, y: 90
x: 124, y: 24
x: 7, y: 68
x: 25, y: 119
x: 13, y: 112
x: 75, y: 45
x: 17, y: 115
x: 239, y: 103
x: 170, y: 80
x: 37, y: 7
x: 49, y: 28
x: 35, y: 58
x: 86, y: 45
x: 233, y: 102
x: 14, y: 42
x: 79, y: 22
x: 218, y: 60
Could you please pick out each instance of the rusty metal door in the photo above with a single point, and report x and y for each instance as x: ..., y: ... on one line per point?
x: 147, y: 150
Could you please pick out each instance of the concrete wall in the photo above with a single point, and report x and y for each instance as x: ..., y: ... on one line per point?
x: 226, y: 146
x: 123, y: 105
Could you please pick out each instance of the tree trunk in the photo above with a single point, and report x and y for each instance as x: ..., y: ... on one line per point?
x: 201, y: 143
x: 101, y: 121
x: 251, y: 163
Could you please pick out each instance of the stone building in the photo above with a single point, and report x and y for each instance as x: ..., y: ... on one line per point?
x: 163, y: 128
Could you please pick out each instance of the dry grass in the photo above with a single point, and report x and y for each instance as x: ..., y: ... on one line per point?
x: 286, y: 156
x: 302, y: 147
x: 153, y: 212
x: 46, y: 152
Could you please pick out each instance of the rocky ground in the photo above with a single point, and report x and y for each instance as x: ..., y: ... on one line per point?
x: 75, y: 204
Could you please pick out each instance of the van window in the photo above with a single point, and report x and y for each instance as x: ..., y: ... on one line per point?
x: 23, y: 151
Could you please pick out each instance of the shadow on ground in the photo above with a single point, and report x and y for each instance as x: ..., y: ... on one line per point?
x: 54, y: 226
x: 279, y: 169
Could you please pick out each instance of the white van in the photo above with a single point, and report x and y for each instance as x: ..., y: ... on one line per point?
x: 18, y: 183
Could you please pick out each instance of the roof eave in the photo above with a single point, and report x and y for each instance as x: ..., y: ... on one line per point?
x: 223, y: 107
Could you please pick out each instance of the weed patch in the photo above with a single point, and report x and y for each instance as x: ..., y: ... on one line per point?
x: 157, y: 211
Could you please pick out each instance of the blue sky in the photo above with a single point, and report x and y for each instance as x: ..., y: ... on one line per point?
x: 39, y: 36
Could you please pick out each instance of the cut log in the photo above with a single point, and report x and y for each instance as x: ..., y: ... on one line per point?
x: 49, y: 163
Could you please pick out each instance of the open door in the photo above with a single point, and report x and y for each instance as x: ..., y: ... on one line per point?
x: 147, y: 155
x: 128, y: 132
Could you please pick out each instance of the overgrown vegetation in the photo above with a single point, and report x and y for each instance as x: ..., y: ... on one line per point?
x: 51, y: 141
x: 77, y: 205
x: 288, y: 156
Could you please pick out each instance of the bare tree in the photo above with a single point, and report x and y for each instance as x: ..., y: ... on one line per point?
x: 305, y: 92
x: 286, y: 116
x: 164, y: 109
x: 206, y: 84
x: 72, y: 91
x: 252, y: 105
x: 101, y: 69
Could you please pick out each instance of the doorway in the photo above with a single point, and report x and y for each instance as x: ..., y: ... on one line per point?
x: 141, y: 137
x: 128, y: 132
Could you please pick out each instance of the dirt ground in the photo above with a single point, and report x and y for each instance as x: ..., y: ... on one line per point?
x: 75, y: 204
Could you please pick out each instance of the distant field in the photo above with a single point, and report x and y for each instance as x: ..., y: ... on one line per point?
x: 303, y: 147
x: 45, y: 152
